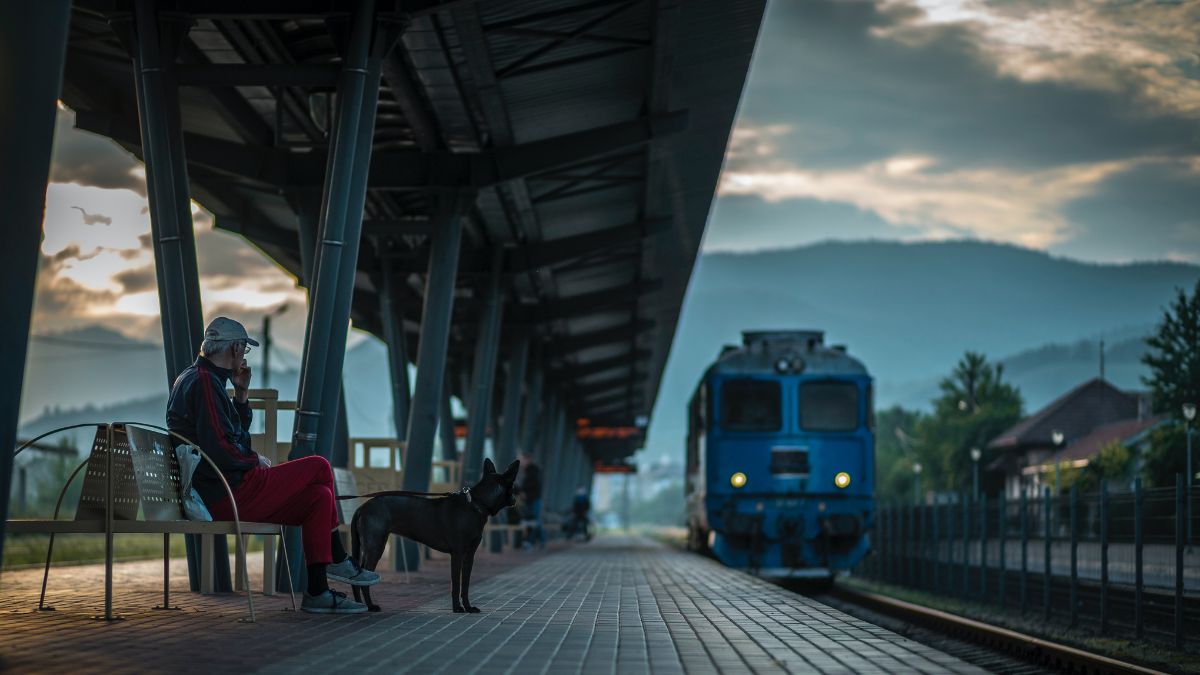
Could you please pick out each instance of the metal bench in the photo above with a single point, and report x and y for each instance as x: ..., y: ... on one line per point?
x: 131, y: 469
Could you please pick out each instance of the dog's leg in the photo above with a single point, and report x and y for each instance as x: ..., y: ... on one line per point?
x: 468, y: 563
x: 372, y: 551
x: 456, y: 563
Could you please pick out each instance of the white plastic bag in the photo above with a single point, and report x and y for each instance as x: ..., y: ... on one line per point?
x: 193, y: 507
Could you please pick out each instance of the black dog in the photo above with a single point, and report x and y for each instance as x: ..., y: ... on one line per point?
x: 452, y: 524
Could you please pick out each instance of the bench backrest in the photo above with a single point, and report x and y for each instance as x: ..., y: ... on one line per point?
x: 145, y: 476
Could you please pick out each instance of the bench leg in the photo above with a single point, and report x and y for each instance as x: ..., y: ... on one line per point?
x: 206, y: 563
x: 268, y: 564
x: 240, y: 582
x: 166, y: 573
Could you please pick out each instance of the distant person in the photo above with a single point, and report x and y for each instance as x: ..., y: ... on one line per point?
x: 581, y: 504
x: 299, y: 492
x: 530, y: 487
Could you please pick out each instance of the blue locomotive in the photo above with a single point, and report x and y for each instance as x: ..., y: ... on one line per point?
x: 781, y: 457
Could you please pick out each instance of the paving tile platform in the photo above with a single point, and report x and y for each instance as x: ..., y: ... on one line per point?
x: 616, y: 605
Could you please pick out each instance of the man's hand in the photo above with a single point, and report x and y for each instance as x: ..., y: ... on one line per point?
x: 241, y: 381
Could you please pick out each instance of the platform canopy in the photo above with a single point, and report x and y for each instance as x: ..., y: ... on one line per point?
x: 593, y: 131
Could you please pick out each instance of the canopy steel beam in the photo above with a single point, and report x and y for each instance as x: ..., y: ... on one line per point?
x: 574, y: 305
x: 566, y: 249
x: 600, y: 338
x: 596, y: 367
x: 258, y: 75
x: 33, y: 39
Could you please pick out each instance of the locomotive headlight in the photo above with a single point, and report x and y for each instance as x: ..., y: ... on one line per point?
x: 842, y: 480
x: 737, y: 480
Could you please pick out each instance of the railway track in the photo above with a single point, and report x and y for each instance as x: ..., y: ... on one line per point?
x: 996, y: 649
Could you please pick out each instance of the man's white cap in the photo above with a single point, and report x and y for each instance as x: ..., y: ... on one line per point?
x: 223, y: 329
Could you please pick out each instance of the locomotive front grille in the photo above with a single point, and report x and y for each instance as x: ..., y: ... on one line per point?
x: 792, y: 461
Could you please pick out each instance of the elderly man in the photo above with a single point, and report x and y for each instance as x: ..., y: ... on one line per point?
x: 299, y: 492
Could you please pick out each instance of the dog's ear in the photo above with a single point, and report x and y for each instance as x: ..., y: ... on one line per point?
x: 510, y: 474
x: 488, y: 467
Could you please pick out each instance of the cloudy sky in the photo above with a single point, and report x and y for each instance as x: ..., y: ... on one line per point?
x: 1069, y: 127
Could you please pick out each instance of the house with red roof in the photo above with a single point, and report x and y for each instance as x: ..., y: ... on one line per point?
x: 1083, y: 421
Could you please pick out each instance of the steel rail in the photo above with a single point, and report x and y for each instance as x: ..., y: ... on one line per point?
x: 1020, y: 644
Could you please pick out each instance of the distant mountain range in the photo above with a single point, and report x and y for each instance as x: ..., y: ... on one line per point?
x: 909, y: 311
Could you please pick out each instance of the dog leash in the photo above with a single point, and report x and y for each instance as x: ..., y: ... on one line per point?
x: 398, y: 493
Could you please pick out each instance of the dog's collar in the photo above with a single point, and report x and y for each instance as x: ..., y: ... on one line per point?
x: 480, y: 508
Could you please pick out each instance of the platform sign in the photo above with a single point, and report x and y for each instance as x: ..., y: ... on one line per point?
x: 614, y: 467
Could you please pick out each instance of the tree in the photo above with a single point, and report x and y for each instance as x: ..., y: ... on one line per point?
x: 975, y: 406
x: 1174, y: 362
x: 894, y: 456
x: 1174, y: 355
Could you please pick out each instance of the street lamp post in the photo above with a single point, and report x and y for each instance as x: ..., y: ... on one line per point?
x: 1189, y: 414
x: 1057, y: 437
x: 917, y: 482
x: 976, y: 453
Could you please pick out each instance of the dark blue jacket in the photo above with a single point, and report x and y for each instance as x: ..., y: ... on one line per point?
x: 200, y: 410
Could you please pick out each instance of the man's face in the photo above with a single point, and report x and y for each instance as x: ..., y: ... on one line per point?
x: 239, y: 351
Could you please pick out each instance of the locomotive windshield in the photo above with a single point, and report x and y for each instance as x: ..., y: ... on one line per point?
x: 751, y: 405
x: 828, y: 406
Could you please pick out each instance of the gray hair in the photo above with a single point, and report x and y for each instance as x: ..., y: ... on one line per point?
x: 211, y: 348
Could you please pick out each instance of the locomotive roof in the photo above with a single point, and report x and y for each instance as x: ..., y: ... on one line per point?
x: 761, y: 350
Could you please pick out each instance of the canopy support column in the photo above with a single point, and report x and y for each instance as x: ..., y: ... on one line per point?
x: 33, y: 42
x: 506, y: 449
x: 153, y: 46
x: 483, y: 373
x: 431, y: 351
x: 339, y: 234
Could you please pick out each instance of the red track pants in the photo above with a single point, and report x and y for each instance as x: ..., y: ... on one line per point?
x: 299, y: 492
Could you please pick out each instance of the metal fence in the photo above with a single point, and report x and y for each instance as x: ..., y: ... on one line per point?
x: 1124, y: 564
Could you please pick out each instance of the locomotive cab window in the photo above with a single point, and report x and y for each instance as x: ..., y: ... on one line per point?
x: 751, y: 405
x: 828, y: 406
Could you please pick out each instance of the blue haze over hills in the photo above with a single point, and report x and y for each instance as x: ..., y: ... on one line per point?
x: 908, y: 311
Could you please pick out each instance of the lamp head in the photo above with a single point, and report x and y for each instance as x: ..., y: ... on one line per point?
x: 1057, y: 436
x: 1189, y: 411
x: 917, y: 468
x: 976, y: 453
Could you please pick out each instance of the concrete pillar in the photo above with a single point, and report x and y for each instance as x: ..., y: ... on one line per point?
x: 339, y: 235
x: 431, y: 351
x: 518, y: 359
x: 33, y: 40
x: 487, y: 345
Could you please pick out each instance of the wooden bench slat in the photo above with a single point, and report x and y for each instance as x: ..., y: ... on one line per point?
x: 136, y: 527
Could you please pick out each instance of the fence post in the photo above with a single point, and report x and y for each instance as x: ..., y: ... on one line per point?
x: 1025, y: 550
x: 926, y: 577
x: 1104, y: 518
x: 1046, y: 569
x: 935, y: 582
x: 1002, y: 521
x: 966, y: 543
x: 983, y: 532
x: 1180, y: 528
x: 1138, y: 621
x: 913, y: 581
x: 1074, y: 555
x: 894, y: 530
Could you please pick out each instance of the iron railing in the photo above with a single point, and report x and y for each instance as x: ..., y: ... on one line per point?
x: 1120, y: 563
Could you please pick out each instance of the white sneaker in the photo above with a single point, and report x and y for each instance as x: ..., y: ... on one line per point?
x: 331, y: 602
x: 348, y: 572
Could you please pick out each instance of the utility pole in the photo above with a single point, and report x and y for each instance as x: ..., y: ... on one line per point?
x: 266, y: 345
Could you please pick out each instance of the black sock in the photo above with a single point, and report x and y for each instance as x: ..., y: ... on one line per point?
x: 335, y: 545
x: 317, y: 583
